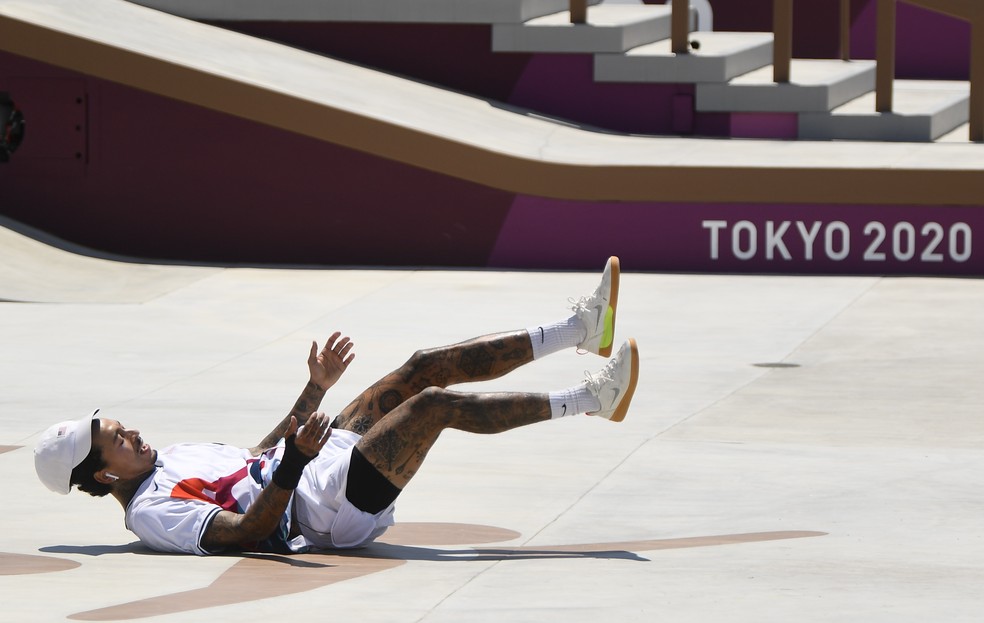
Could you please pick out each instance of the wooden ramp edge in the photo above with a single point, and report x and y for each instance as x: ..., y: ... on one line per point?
x: 465, y: 137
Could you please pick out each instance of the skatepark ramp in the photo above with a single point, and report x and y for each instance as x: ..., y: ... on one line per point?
x: 459, y: 136
x: 288, y: 146
x: 35, y: 268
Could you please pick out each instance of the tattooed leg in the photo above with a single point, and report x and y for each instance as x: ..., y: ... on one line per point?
x: 398, y: 444
x: 478, y: 359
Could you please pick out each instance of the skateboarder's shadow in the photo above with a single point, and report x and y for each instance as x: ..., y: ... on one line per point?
x: 483, y: 554
x: 259, y: 576
x: 388, y: 551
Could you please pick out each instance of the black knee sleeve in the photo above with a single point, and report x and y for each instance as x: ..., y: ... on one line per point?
x: 367, y: 489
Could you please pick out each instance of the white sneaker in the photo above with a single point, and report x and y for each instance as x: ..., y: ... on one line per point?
x: 597, y: 312
x: 615, y: 384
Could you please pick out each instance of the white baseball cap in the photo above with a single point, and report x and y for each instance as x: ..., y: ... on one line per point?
x: 61, y: 448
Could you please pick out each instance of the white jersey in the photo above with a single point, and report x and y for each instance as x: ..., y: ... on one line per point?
x: 173, y: 508
x: 193, y: 482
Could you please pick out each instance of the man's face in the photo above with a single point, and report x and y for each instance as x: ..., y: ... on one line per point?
x: 124, y: 450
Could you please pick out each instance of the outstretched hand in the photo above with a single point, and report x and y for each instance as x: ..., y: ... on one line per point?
x: 327, y: 366
x: 311, y: 437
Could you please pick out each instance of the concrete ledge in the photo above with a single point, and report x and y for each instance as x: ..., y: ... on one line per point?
x: 923, y: 110
x: 720, y: 57
x: 816, y: 86
x: 419, y: 11
x: 610, y: 28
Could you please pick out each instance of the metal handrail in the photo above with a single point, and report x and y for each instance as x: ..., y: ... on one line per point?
x: 968, y: 10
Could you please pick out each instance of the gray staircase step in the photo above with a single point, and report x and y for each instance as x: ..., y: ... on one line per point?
x: 922, y: 110
x: 720, y: 57
x: 610, y: 28
x: 816, y: 85
x: 960, y: 134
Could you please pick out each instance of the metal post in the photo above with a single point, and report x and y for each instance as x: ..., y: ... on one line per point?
x: 845, y: 30
x: 885, y: 56
x: 680, y: 27
x: 579, y: 11
x: 782, y: 39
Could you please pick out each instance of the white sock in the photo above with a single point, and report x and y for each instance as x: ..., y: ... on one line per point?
x: 550, y: 338
x: 572, y: 401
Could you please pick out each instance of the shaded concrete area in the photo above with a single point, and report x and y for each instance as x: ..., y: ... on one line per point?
x: 38, y: 268
x: 800, y: 448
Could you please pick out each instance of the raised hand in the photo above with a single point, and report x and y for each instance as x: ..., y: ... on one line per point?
x: 312, y: 436
x: 327, y: 366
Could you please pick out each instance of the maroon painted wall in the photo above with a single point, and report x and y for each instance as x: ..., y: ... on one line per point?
x: 929, y: 45
x: 745, y: 238
x: 116, y: 169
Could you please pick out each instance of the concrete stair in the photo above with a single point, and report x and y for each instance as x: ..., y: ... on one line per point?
x: 714, y: 57
x: 923, y: 110
x: 609, y: 28
x: 816, y: 85
x: 732, y: 72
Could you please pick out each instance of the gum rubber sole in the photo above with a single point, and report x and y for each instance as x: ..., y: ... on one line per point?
x: 623, y: 406
x: 606, y: 351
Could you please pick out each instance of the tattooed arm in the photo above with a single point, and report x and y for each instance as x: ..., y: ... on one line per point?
x: 229, y: 529
x: 311, y: 396
x: 326, y: 368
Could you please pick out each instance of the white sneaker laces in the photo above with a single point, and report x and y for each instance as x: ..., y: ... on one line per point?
x: 581, y: 304
x: 606, y: 375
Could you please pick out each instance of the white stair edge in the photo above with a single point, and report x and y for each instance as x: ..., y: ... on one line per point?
x: 924, y: 110
x: 384, y: 11
x: 720, y: 57
x: 609, y: 28
x: 816, y: 85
